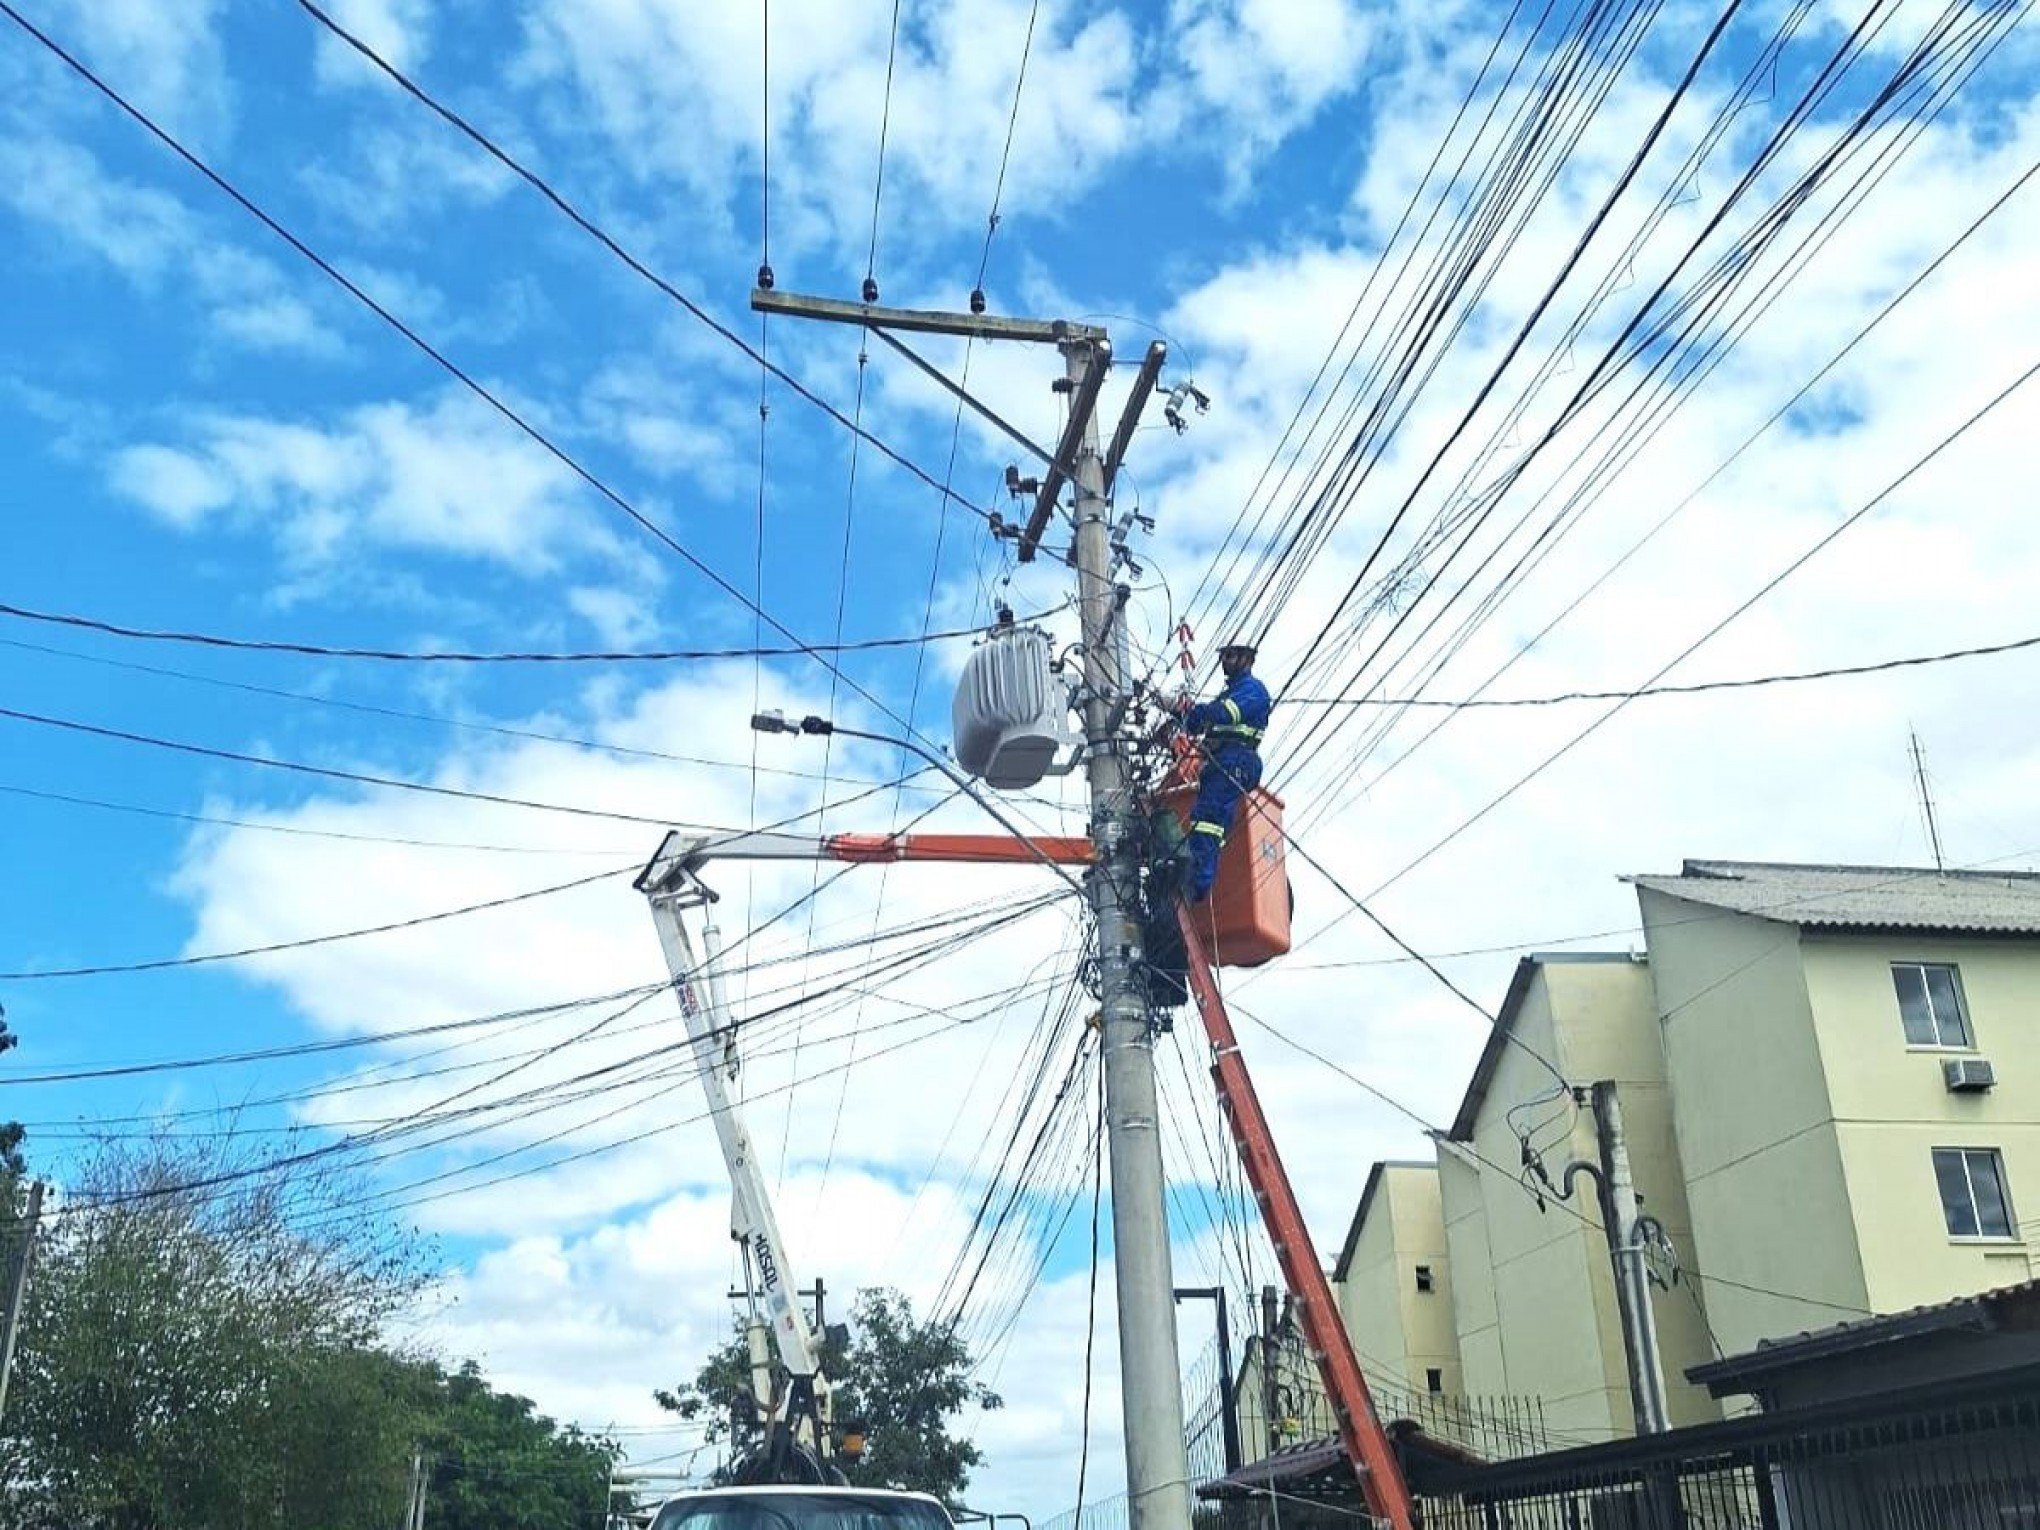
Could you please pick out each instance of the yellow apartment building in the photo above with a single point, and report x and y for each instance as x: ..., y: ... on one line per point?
x: 1827, y: 1076
x: 1853, y: 1051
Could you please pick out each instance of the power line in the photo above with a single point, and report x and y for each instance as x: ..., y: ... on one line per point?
x: 323, y: 772
x: 160, y: 963
x: 283, y: 828
x: 1006, y: 153
x: 439, y: 358
x: 457, y: 656
x: 544, y: 188
x: 1820, y: 545
x: 394, y: 783
x: 329, y: 1044
x: 441, y: 720
x: 1750, y: 682
x: 164, y: 963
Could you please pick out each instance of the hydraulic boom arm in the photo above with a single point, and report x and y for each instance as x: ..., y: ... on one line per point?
x: 672, y: 885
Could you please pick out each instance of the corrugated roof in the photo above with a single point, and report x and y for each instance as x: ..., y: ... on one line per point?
x: 1862, y: 897
x: 1981, y: 1310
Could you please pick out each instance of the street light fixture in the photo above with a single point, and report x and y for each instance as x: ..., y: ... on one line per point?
x: 813, y: 726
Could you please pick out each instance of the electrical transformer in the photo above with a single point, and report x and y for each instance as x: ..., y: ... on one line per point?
x: 1008, y: 716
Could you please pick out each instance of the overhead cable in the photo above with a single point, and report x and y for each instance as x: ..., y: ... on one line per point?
x: 538, y: 183
x: 457, y: 656
x: 1700, y: 687
x: 467, y: 380
x: 333, y: 773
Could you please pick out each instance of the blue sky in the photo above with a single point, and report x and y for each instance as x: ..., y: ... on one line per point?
x: 205, y: 434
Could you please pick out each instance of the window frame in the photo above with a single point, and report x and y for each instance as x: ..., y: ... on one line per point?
x: 1963, y: 1026
x: 1963, y: 1155
x: 1426, y: 1280
x: 1434, y: 1380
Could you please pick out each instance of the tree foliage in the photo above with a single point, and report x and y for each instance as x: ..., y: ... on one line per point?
x: 905, y: 1379
x: 201, y: 1347
x: 499, y: 1465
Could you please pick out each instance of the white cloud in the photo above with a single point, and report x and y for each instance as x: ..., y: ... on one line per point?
x: 138, y: 230
x: 177, y: 487
x: 446, y: 476
x: 1266, y: 67
x: 620, y: 618
x: 280, y: 323
x: 167, y: 58
x: 155, y: 243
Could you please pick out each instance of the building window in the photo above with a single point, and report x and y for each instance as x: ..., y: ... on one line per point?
x: 1930, y: 1004
x: 1434, y: 1380
x: 1974, y: 1199
x: 1424, y: 1281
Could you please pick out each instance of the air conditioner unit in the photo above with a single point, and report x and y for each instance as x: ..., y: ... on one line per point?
x: 1967, y: 1075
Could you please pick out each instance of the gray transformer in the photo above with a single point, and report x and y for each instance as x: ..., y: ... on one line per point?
x: 1008, y: 719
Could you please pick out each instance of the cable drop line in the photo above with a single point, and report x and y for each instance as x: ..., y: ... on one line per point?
x: 892, y: 49
x: 1006, y: 153
x: 1091, y: 1301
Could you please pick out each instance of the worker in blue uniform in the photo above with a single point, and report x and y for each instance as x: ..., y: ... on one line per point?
x: 1230, y: 728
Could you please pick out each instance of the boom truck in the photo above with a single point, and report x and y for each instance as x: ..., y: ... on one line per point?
x: 1008, y: 732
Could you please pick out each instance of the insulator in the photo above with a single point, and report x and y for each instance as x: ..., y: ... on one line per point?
x: 870, y: 289
x: 977, y: 300
x: 764, y: 278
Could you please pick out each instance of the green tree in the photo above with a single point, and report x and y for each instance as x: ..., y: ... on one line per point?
x: 201, y: 1350
x: 196, y: 1349
x: 906, y: 1379
x: 497, y: 1464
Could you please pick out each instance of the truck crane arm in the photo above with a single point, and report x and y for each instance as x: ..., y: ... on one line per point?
x: 672, y: 885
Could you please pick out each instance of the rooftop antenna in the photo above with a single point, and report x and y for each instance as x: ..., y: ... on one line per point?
x: 1919, y: 760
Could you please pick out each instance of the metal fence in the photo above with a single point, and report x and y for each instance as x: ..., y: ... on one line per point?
x: 1965, y: 1457
x: 1105, y: 1514
x: 1494, y: 1428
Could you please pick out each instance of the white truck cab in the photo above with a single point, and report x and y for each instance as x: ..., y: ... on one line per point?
x: 774, y: 1507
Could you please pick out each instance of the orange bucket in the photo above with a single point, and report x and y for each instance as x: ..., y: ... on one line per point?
x: 1246, y: 919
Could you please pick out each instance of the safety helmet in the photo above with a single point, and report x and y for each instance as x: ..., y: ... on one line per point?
x: 1240, y: 647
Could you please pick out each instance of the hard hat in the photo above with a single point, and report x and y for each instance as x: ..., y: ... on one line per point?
x: 1241, y: 646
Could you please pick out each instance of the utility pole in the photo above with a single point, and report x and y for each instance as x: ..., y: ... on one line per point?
x: 1628, y: 1231
x: 1271, y: 1378
x: 1228, y: 1405
x: 414, y: 1506
x: 1157, y: 1468
x: 1919, y: 760
x: 17, y: 1285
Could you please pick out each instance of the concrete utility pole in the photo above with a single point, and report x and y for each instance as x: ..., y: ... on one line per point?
x: 1627, y: 1232
x: 1157, y: 1468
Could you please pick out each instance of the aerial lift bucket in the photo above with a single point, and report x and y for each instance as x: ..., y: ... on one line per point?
x: 1245, y: 921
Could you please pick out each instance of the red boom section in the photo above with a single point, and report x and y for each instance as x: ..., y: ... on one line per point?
x: 1360, y: 1431
x: 977, y: 848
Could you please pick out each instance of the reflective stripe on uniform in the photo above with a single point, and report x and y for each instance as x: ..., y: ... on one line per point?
x: 1215, y: 830
x: 1240, y: 735
x: 1233, y: 707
